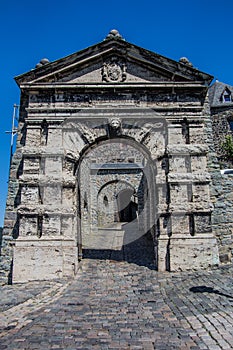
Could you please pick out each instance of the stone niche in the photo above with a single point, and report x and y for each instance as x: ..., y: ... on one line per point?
x: 114, y: 153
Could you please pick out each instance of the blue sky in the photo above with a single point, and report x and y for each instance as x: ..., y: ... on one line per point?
x: 31, y: 30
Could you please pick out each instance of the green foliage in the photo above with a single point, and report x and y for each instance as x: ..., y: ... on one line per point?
x: 227, y: 148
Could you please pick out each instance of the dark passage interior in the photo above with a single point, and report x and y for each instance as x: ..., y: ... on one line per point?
x: 127, y: 208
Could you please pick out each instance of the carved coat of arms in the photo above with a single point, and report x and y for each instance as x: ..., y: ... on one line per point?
x: 114, y: 71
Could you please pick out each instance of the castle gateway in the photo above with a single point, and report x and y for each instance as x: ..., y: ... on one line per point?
x: 112, y: 155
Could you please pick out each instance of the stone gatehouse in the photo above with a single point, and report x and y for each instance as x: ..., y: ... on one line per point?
x: 113, y: 146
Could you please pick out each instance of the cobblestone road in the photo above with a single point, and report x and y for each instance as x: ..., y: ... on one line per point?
x: 120, y: 305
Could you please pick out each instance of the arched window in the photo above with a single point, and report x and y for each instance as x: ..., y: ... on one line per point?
x: 85, y: 201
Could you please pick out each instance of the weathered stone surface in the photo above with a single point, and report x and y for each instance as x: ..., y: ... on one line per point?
x: 52, y: 257
x: 121, y: 136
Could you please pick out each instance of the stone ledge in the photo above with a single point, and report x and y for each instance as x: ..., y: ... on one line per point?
x: 187, y: 209
x: 46, y: 210
x: 40, y: 151
x: 187, y: 149
x: 188, y: 238
x: 47, y: 180
x: 188, y: 177
x: 149, y: 85
x: 44, y: 240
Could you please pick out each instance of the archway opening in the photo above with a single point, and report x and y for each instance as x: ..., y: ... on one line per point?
x: 127, y: 206
x: 116, y: 209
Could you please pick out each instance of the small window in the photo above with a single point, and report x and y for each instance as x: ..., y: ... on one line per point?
x: 226, y: 96
x: 231, y: 124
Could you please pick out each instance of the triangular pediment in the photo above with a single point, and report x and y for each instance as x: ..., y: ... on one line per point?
x: 113, y: 61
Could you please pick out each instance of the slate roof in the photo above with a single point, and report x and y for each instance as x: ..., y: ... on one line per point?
x: 216, y: 92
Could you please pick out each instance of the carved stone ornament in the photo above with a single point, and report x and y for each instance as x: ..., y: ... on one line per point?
x: 114, y: 70
x: 115, y: 123
x: 114, y: 127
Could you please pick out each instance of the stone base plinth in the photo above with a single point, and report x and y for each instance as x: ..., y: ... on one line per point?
x: 44, y: 259
x: 192, y: 253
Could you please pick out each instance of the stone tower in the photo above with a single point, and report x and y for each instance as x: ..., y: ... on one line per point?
x: 112, y: 147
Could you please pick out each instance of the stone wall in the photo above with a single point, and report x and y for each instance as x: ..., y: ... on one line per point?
x: 220, y: 186
x: 222, y: 221
x: 221, y: 128
x: 11, y: 222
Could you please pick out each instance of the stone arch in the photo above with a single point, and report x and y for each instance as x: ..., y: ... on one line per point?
x: 111, y: 191
x: 79, y: 137
x: 130, y: 164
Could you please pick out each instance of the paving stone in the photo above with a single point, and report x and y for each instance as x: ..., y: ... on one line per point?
x: 111, y: 305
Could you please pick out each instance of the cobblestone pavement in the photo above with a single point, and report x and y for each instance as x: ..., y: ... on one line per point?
x: 120, y: 305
